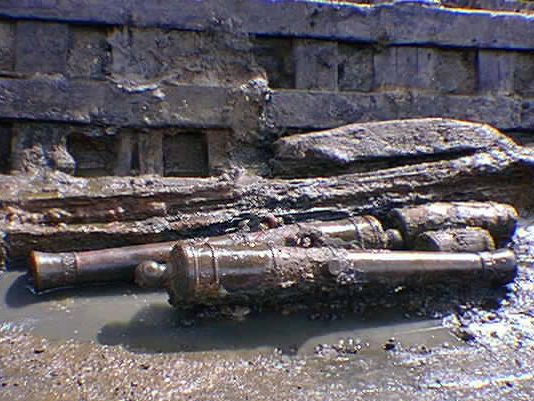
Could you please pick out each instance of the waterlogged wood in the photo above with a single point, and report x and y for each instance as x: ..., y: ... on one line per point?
x: 402, y: 23
x: 470, y: 239
x: 321, y: 109
x: 62, y: 212
x: 100, y: 221
x: 368, y: 146
x: 500, y: 220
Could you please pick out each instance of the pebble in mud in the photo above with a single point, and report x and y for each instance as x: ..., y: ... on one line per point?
x: 390, y: 344
x: 187, y: 322
x: 463, y: 333
x: 272, y: 221
x: 421, y: 349
x: 325, y: 351
x: 39, y: 350
x: 326, y: 316
x: 348, y: 346
x: 236, y: 312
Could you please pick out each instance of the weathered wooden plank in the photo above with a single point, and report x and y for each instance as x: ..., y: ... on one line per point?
x: 106, y: 103
x: 41, y: 48
x: 211, y: 107
x: 54, y: 100
x: 317, y: 110
x: 98, y: 12
x: 65, y: 223
x: 378, y: 145
x: 389, y: 23
x: 316, y: 64
x: 414, y: 23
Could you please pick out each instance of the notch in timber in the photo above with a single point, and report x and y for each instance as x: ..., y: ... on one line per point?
x: 165, y: 152
x: 5, y: 148
x: 185, y: 154
x: 94, y: 156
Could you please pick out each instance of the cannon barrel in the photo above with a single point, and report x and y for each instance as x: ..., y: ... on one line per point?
x: 498, y: 218
x: 206, y: 274
x: 53, y: 270
x: 469, y: 239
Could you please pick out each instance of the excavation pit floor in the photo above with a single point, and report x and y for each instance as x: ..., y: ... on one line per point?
x: 121, y: 343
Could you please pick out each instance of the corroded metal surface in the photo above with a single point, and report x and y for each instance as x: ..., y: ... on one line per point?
x: 207, y: 274
x: 359, y: 232
x: 499, y: 219
x: 455, y: 240
x: 51, y: 270
x: 114, y: 264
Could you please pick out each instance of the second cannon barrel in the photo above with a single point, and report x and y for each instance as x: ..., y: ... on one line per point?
x: 53, y: 270
x: 498, y: 218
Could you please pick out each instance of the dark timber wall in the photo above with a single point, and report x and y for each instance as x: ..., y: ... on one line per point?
x: 107, y: 87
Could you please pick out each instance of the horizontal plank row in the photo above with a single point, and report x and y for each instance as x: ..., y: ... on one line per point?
x: 98, y: 102
x: 317, y: 110
x: 104, y: 103
x: 401, y: 23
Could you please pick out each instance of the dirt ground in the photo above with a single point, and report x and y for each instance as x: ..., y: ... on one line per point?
x: 33, y: 370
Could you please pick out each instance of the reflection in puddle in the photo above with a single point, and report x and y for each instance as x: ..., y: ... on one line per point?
x: 144, y: 322
x: 157, y: 328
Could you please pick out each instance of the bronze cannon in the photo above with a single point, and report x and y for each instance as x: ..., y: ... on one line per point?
x: 53, y: 270
x: 454, y: 226
x: 207, y: 274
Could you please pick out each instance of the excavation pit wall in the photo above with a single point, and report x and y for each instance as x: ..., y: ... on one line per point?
x: 256, y: 70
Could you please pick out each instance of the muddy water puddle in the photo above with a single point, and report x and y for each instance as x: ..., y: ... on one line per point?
x: 144, y: 322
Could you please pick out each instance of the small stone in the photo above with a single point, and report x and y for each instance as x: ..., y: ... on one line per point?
x: 490, y: 316
x: 272, y: 221
x: 423, y: 349
x: 389, y: 345
x: 314, y: 316
x: 305, y: 242
x: 463, y: 334
x: 240, y: 312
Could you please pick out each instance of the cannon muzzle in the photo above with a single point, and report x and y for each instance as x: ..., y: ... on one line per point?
x: 52, y: 270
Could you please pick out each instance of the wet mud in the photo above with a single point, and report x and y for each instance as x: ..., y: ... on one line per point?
x: 144, y: 322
